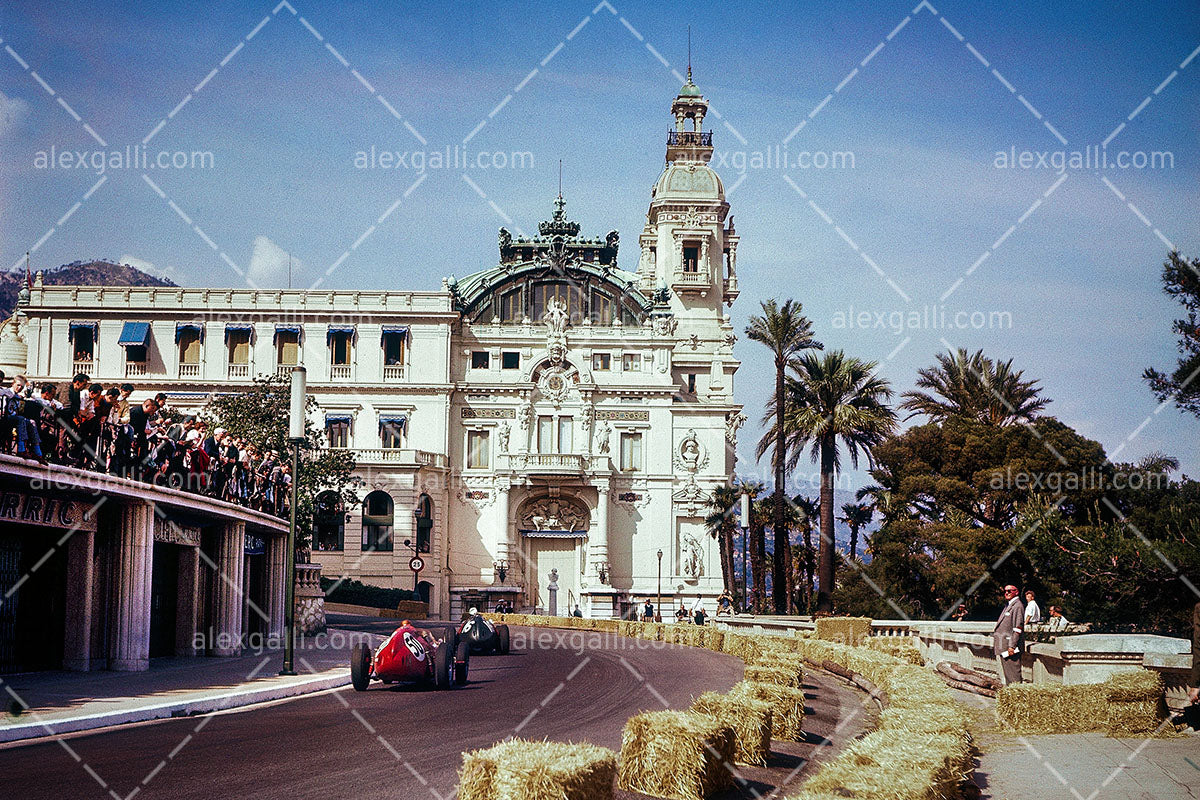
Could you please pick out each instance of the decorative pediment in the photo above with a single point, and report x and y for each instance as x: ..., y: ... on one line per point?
x: 554, y: 514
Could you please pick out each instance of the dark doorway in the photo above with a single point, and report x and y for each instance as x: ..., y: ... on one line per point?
x: 164, y: 597
x: 423, y: 589
x: 33, y: 618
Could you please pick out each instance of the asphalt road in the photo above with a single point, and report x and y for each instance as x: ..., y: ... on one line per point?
x: 397, y: 741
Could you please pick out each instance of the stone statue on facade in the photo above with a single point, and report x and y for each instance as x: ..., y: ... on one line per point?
x: 693, y: 557
x: 602, y: 436
x: 556, y: 317
x: 503, y: 434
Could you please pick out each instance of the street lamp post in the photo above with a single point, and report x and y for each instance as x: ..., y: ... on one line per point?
x: 295, y: 438
x: 416, y: 548
x: 745, y: 509
x: 658, y: 608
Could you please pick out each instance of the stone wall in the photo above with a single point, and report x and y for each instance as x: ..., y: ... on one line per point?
x: 310, y: 600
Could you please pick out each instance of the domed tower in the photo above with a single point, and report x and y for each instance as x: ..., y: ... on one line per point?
x: 688, y: 243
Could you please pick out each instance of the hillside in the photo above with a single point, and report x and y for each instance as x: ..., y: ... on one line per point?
x: 79, y: 273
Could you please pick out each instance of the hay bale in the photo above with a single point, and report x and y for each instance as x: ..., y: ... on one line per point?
x: 750, y: 719
x: 844, y: 630
x: 899, y: 647
x: 894, y: 765
x: 1125, y: 704
x: 789, y: 661
x: 780, y: 676
x: 523, y: 770
x: 787, y: 707
x: 742, y: 646
x: 676, y: 754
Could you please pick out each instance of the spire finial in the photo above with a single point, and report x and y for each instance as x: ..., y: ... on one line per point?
x: 560, y: 177
x: 689, y: 53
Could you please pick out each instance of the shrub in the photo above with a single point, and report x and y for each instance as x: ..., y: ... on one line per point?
x: 357, y: 593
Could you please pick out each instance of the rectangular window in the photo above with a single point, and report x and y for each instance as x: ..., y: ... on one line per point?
x: 393, y: 349
x: 391, y: 435
x: 631, y: 452
x: 512, y: 309
x: 338, y: 433
x: 480, y: 359
x: 239, y: 347
x: 545, y: 435
x: 631, y: 362
x: 287, y: 348
x: 566, y: 425
x: 478, y: 449
x: 135, y: 354
x: 601, y: 362
x: 83, y: 343
x: 189, y: 347
x: 691, y: 258
x: 339, y: 344
x: 691, y: 383
x: 510, y: 359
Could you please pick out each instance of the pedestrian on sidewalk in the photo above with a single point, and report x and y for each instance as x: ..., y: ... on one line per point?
x: 1033, y: 612
x: 1006, y: 636
x: 648, y: 611
x: 698, y: 610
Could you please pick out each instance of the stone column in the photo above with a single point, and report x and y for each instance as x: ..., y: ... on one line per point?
x: 130, y: 648
x: 276, y: 580
x: 188, y: 603
x: 504, y: 535
x: 77, y: 644
x: 230, y: 595
x: 599, y: 537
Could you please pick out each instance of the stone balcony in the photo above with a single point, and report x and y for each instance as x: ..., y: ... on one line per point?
x: 399, y: 456
x: 549, y: 463
x: 684, y: 281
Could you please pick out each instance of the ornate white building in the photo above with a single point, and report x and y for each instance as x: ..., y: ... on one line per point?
x: 540, y: 431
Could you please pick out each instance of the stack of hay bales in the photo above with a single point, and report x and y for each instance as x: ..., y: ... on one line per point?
x: 522, y: 770
x: 676, y: 754
x: 750, y: 719
x: 787, y: 707
x: 851, y: 631
x: 1126, y: 704
x: 780, y: 676
x: 901, y: 647
x: 745, y: 647
x: 793, y: 662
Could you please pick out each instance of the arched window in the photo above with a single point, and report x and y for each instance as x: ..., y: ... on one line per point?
x: 377, y: 521
x: 424, y: 523
x: 329, y: 522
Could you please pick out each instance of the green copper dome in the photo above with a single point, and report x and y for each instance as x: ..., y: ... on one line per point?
x: 689, y: 89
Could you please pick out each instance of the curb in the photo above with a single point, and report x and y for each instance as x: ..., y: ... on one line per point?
x: 329, y: 679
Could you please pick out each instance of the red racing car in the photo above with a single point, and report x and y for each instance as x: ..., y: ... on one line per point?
x: 412, y: 655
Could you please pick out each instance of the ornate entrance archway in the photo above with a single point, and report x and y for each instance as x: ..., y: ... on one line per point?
x: 553, y: 532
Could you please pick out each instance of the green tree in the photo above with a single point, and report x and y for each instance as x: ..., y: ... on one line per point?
x: 786, y: 332
x: 833, y: 402
x: 808, y: 514
x: 756, y: 544
x: 722, y: 525
x: 974, y: 387
x: 1181, y: 280
x: 856, y: 516
x: 260, y: 415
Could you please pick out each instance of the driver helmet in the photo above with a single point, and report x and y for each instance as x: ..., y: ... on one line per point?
x: 473, y: 611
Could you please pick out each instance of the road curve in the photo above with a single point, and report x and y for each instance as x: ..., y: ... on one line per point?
x: 389, y: 741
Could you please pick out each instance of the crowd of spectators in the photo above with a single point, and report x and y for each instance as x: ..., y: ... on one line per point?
x: 103, y: 429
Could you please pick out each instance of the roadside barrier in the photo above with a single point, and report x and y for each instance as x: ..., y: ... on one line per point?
x: 681, y: 755
x: 1127, y: 704
x: 524, y: 770
x: 750, y: 719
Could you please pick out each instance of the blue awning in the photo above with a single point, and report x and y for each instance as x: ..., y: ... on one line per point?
x: 237, y: 327
x: 135, y: 333
x: 554, y: 534
x: 347, y: 329
x: 401, y: 330
x: 287, y: 329
x: 188, y: 327
x: 393, y: 419
x: 337, y: 419
x: 85, y: 326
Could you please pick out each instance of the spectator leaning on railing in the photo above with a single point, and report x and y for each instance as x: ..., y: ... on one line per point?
x: 104, y: 430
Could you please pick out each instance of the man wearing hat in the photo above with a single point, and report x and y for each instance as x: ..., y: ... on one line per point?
x: 1006, y: 636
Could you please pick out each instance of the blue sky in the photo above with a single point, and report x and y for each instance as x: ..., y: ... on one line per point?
x: 924, y: 118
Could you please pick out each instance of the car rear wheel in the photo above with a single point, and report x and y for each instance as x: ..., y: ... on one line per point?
x: 502, y: 639
x: 462, y: 661
x: 360, y: 667
x: 443, y: 665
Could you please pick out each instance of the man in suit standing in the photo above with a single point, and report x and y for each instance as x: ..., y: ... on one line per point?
x: 1006, y: 636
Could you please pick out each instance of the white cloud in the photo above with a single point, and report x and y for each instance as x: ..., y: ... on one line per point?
x: 269, y: 264
x: 12, y: 111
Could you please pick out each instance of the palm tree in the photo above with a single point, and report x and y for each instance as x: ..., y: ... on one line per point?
x: 722, y: 524
x: 856, y: 515
x: 834, y: 401
x: 974, y: 387
x: 756, y: 544
x: 785, y: 331
x: 808, y: 512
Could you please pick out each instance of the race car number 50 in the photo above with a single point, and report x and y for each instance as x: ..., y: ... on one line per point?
x: 416, y: 564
